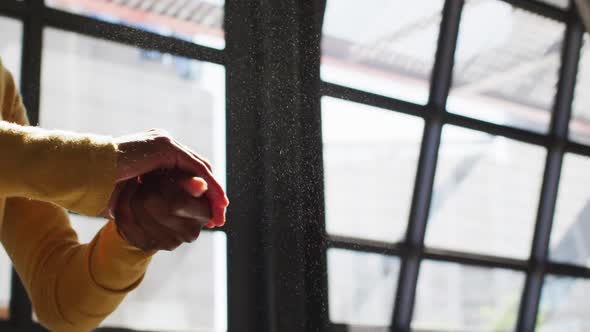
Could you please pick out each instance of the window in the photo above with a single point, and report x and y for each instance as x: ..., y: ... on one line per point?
x: 362, y: 47
x: 568, y: 244
x: 579, y: 126
x: 562, y: 306
x: 456, y: 297
x: 444, y: 155
x: 195, y: 21
x: 111, y: 67
x: 362, y: 144
x: 361, y: 286
x: 98, y: 86
x: 445, y: 206
x: 485, y: 195
x: 495, y: 76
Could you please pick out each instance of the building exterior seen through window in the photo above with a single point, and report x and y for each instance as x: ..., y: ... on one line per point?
x: 487, y: 188
x: 481, y: 219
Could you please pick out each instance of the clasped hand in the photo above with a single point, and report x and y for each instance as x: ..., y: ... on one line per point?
x: 165, y: 193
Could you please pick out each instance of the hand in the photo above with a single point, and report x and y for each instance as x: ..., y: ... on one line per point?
x: 156, y: 211
x: 142, y: 153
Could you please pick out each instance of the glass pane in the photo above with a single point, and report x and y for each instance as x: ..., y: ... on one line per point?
x: 382, y: 46
x: 5, y: 278
x: 10, y: 54
x: 453, y: 297
x: 564, y: 306
x: 102, y: 87
x: 486, y: 194
x: 506, y: 73
x: 167, y: 297
x: 199, y: 21
x: 580, y: 123
x: 571, y: 225
x: 10, y: 47
x: 361, y: 287
x: 370, y: 158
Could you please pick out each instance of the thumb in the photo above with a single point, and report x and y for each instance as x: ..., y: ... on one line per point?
x: 109, y: 211
x: 195, y: 186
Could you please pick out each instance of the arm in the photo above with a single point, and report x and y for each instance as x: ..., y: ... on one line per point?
x: 74, y: 171
x: 73, y: 287
x: 78, y: 172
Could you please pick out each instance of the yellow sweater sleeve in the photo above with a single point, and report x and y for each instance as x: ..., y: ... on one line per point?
x: 72, y: 286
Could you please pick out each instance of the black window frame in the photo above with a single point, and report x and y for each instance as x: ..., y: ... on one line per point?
x: 277, y: 242
x: 412, y: 249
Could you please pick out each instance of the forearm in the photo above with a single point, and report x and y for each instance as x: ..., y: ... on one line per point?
x: 90, y: 286
x: 74, y: 171
x: 73, y: 287
x: 115, y: 265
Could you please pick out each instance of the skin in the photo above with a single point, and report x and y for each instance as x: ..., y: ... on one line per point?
x: 162, y: 210
x: 165, y: 192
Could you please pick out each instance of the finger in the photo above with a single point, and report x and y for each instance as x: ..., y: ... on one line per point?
x: 215, y: 193
x: 162, y: 239
x: 109, y: 211
x: 186, y: 202
x: 125, y: 219
x: 180, y: 203
x: 186, y: 229
x: 194, y: 186
x: 173, y: 181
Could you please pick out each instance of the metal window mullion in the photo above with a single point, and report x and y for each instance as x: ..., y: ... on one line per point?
x: 13, y: 9
x: 453, y: 256
x: 371, y: 99
x: 404, y: 300
x: 32, y: 44
x: 519, y: 134
x: 130, y: 36
x: 20, y: 305
x: 578, y: 148
x: 405, y: 107
x: 439, y: 89
x: 443, y: 255
x: 567, y: 270
x: 365, y: 245
x: 401, y: 106
x: 559, y: 134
